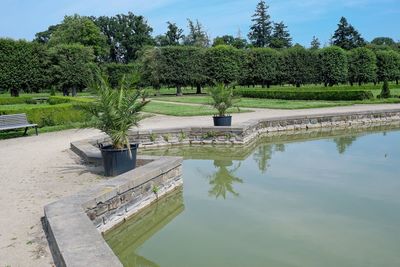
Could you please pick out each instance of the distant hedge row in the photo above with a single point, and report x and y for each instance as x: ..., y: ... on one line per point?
x: 334, y: 95
x: 191, y: 66
x: 47, y: 115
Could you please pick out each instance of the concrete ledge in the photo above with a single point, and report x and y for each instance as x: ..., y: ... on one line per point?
x: 74, y: 224
x: 240, y: 134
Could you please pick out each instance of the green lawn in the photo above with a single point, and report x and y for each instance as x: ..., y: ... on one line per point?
x: 183, y: 110
x: 276, y: 103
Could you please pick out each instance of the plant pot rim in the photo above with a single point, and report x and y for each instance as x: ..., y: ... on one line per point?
x: 111, y: 149
x: 226, y: 116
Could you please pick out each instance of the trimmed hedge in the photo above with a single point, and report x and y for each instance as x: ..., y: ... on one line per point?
x: 336, y: 95
x: 14, y: 100
x: 56, y: 100
x: 48, y: 115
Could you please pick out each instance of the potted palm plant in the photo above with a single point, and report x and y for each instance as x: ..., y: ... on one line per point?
x: 222, y: 99
x: 114, y: 112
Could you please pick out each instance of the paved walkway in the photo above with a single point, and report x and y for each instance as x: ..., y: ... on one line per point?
x: 37, y: 170
x: 162, y: 121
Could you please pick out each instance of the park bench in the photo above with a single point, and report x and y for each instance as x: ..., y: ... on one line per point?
x: 16, y: 121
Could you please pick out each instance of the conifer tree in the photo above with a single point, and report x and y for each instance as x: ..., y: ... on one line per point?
x: 346, y: 36
x: 280, y: 37
x: 315, y: 43
x: 260, y: 31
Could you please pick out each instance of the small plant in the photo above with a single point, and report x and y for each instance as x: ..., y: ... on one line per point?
x: 155, y: 190
x: 228, y: 136
x: 153, y: 137
x: 115, y: 111
x: 222, y: 98
x: 209, y: 135
x: 182, y: 136
x: 144, y: 94
x: 166, y: 137
x: 385, y: 93
x: 53, y: 91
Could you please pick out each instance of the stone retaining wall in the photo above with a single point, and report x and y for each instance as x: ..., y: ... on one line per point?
x: 74, y: 224
x: 240, y: 134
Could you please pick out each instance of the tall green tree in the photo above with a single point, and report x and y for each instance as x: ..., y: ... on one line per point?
x: 224, y: 64
x: 80, y: 30
x: 126, y: 35
x: 173, y: 36
x: 44, y: 37
x: 346, y: 36
x: 261, y: 66
x: 260, y: 31
x: 151, y: 67
x: 383, y: 41
x: 362, y: 65
x: 315, y: 43
x: 280, y: 37
x: 224, y: 40
x: 333, y: 65
x: 296, y: 65
x: 388, y: 65
x: 23, y: 66
x: 72, y: 67
x: 236, y: 42
x: 197, y: 35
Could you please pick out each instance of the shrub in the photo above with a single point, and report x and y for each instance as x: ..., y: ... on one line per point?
x: 14, y: 100
x: 385, y: 90
x: 47, y: 115
x: 336, y: 95
x: 56, y: 100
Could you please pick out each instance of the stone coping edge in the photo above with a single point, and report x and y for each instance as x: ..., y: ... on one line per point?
x: 243, y: 133
x: 73, y: 238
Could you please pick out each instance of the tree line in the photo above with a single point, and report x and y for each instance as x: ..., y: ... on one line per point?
x: 66, y: 56
x: 193, y: 66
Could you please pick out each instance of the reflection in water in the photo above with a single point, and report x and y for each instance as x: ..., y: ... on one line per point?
x: 344, y: 142
x: 263, y: 154
x: 223, y: 179
x: 126, y: 238
x: 340, y: 217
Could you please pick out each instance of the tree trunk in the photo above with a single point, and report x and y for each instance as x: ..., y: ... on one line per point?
x: 359, y: 83
x: 73, y: 91
x: 14, y: 92
x: 268, y: 84
x: 178, y: 90
x: 65, y: 92
x: 198, y: 89
x: 397, y: 81
x: 297, y: 84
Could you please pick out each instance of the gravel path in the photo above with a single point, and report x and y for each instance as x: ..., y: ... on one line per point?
x: 38, y: 170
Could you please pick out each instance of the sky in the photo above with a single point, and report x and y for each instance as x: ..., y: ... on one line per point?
x: 21, y: 19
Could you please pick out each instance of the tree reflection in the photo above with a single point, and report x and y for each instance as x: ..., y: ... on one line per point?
x: 263, y: 155
x: 223, y: 179
x: 344, y: 142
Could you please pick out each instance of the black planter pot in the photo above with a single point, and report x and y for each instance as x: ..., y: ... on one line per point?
x: 222, y: 120
x: 118, y: 161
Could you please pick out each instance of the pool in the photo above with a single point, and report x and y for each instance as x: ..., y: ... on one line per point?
x: 322, y: 199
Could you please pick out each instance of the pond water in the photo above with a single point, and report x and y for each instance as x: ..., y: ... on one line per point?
x: 316, y: 199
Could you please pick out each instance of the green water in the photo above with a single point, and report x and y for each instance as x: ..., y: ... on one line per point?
x: 333, y: 200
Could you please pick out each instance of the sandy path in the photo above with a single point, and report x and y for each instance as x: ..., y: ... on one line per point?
x: 35, y: 171
x: 38, y: 170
